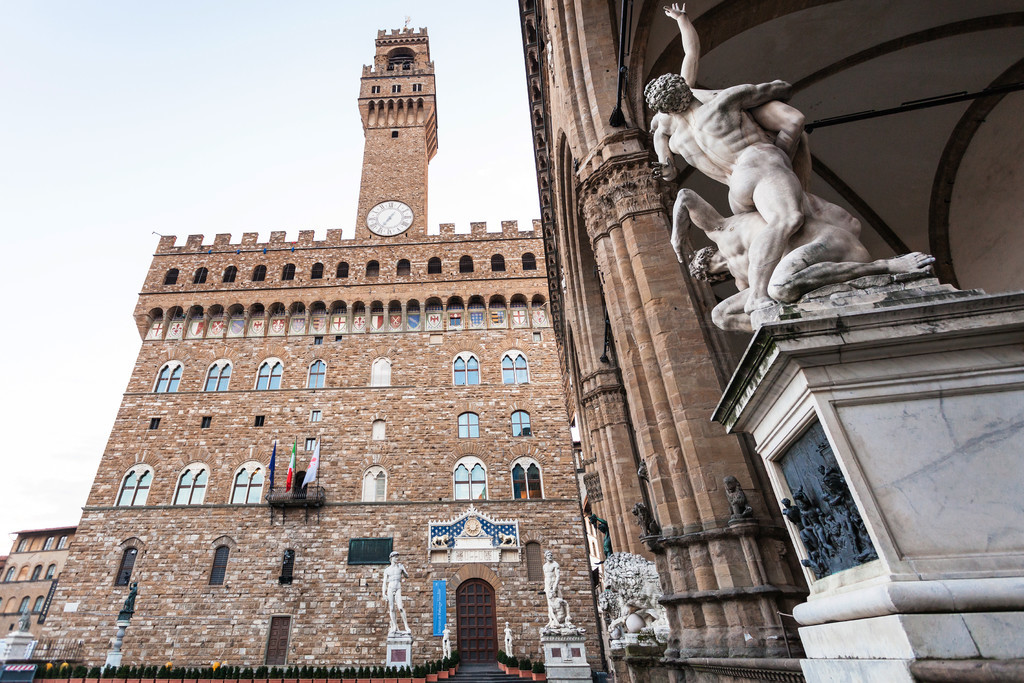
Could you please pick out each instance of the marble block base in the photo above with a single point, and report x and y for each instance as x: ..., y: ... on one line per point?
x: 891, y: 418
x: 17, y: 646
x: 399, y: 649
x: 113, y: 658
x: 565, y: 657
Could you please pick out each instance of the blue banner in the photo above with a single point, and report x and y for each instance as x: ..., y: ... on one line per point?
x: 440, y: 606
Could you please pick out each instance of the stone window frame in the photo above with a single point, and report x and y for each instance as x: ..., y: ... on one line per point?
x: 62, y: 543
x: 466, y: 264
x: 220, y: 562
x: 383, y: 379
x: 200, y: 468
x: 171, y: 276
x: 48, y: 543
x: 230, y: 274
x: 316, y: 370
x: 528, y: 259
x: 512, y: 355
x: 378, y: 430
x: 125, y: 568
x: 465, y: 357
x: 526, y: 462
x: 199, y: 277
x: 469, y: 462
x: 342, y: 270
x: 255, y: 467
x: 272, y: 364
x: 497, y: 260
x: 10, y: 574
x: 469, y: 425
x: 24, y: 604
x: 37, y: 573
x: 221, y: 365
x: 371, y: 478
x: 259, y: 273
x: 316, y: 272
x: 50, y: 571
x: 174, y: 369
x: 435, y: 266
x: 288, y: 272
x: 37, y: 606
x: 140, y: 470
x: 527, y: 428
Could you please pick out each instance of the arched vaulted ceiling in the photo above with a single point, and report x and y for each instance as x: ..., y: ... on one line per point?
x: 947, y: 180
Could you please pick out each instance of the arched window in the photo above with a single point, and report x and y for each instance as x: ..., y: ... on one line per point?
x: 470, y: 480
x: 534, y: 562
x: 37, y: 607
x: 514, y: 369
x: 124, y: 570
x: 404, y: 268
x: 259, y: 273
x: 169, y: 377
x: 218, y: 376
x: 248, y: 486
x: 24, y: 604
x: 521, y: 423
x: 317, y: 373
x: 498, y: 263
x: 466, y: 264
x: 50, y: 571
x: 466, y: 369
x: 48, y: 544
x: 37, y: 572
x: 62, y: 543
x: 220, y: 565
x: 469, y: 426
x: 230, y: 273
x: 380, y: 373
x: 378, y: 430
x: 269, y: 376
x: 135, y: 487
x: 171, y: 278
x: 342, y: 270
x: 526, y: 480
x: 288, y: 272
x: 192, y: 486
x: 372, y: 269
x: 434, y: 266
x: 529, y: 261
x: 316, y: 272
x: 375, y: 485
x: 10, y: 575
x: 200, y: 276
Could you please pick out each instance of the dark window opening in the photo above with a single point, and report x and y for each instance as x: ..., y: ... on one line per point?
x: 207, y: 421
x: 259, y: 420
x: 529, y: 261
x: 316, y: 272
x: 230, y: 273
x: 369, y: 550
x: 172, y: 277
x: 288, y: 272
x: 154, y: 423
x: 287, y: 567
x: 317, y: 341
x: 200, y: 276
x: 466, y: 264
x: 259, y: 273
x: 372, y: 269
x: 394, y: 133
x: 498, y: 263
x: 404, y: 267
x: 220, y: 566
x: 124, y: 571
x: 434, y: 266
x: 534, y: 562
x: 342, y: 269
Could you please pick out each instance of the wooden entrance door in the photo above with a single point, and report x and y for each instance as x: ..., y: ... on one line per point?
x: 478, y: 633
x: 277, y: 643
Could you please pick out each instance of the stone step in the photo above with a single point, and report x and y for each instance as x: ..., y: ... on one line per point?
x: 482, y: 673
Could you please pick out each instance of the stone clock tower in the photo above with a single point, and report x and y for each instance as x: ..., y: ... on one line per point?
x: 396, y: 103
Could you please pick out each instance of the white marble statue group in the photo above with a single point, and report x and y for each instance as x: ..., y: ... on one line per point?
x: 559, y: 621
x: 781, y: 241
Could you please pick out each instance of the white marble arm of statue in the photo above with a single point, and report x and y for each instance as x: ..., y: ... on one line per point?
x: 691, y: 43
x: 660, y: 133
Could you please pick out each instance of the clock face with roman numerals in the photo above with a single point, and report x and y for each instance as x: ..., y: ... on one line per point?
x: 389, y: 218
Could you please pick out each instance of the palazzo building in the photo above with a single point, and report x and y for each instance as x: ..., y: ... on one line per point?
x: 423, y: 370
x: 644, y: 365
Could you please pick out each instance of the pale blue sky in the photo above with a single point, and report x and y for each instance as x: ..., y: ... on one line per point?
x: 118, y: 119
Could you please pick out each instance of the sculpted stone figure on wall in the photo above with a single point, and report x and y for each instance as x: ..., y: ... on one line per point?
x: 781, y: 241
x: 630, y: 598
x: 392, y: 591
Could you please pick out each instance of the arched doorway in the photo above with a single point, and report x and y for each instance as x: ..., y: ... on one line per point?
x: 476, y: 625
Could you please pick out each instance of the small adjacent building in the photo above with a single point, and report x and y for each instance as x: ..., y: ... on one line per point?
x: 29, y: 576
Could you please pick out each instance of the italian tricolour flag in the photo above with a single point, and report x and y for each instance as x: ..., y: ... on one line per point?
x: 291, y: 466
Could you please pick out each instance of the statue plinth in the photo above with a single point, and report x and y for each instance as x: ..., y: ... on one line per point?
x: 17, y: 646
x: 891, y: 427
x: 399, y: 652
x: 565, y: 656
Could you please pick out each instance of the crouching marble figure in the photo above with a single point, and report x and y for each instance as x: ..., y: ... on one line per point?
x: 781, y: 242
x: 630, y: 597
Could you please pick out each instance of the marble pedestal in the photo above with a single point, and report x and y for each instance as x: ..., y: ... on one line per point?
x: 17, y: 646
x: 565, y: 657
x: 399, y: 649
x: 914, y: 548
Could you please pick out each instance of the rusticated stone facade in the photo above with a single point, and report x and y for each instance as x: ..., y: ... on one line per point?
x: 365, y: 359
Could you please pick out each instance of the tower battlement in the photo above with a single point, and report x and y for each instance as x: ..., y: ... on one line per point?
x: 279, y: 239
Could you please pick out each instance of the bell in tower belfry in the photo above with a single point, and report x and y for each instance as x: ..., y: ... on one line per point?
x: 396, y: 104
